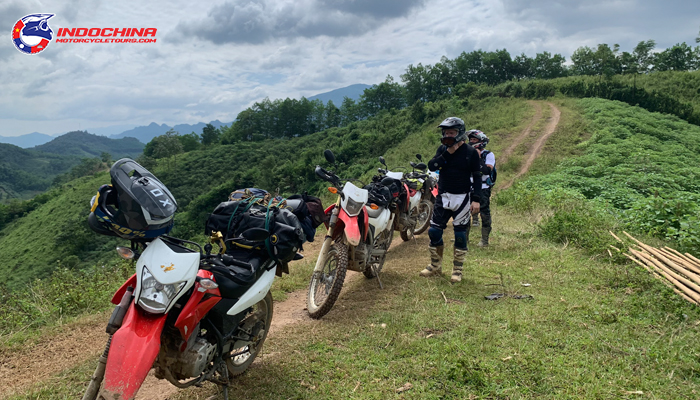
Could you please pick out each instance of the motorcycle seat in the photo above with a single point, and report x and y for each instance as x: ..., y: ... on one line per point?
x: 234, y: 280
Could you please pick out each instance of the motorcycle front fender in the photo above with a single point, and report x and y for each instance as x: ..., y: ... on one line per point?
x: 132, y: 352
x: 352, y: 228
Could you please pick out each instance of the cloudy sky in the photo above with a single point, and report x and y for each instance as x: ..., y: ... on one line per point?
x: 211, y: 61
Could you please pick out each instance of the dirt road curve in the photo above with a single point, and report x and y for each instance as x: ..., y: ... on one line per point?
x: 536, y: 149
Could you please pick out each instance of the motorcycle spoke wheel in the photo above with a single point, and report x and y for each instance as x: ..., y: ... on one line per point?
x: 425, y: 212
x: 257, y: 323
x: 325, y: 285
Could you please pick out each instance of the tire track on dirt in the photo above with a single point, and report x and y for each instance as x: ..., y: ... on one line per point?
x: 536, y: 149
x: 524, y: 134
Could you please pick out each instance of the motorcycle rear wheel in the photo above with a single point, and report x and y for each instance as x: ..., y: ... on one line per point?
x: 425, y: 213
x: 325, y: 285
x: 258, y: 322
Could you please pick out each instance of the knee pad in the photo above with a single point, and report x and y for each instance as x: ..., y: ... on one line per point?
x: 435, y: 235
x: 461, y: 239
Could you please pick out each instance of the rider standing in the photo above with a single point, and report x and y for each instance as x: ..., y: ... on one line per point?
x: 479, y: 140
x: 458, y: 164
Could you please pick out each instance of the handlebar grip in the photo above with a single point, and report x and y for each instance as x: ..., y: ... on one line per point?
x: 229, y: 260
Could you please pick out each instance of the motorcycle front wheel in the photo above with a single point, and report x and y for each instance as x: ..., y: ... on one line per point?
x: 325, y: 285
x: 256, y: 324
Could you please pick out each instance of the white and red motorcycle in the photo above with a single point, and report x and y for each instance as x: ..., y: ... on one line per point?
x: 415, y: 194
x: 358, y: 238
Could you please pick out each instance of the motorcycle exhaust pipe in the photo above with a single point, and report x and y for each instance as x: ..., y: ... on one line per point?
x: 115, y: 321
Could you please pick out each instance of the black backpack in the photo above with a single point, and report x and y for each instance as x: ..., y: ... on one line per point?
x: 491, y: 180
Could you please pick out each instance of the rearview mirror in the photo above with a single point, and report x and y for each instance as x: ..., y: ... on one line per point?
x: 329, y: 156
x: 419, y: 157
x: 381, y: 160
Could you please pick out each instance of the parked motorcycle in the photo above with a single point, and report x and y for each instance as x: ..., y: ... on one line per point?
x: 414, y: 204
x: 192, y: 315
x: 358, y: 238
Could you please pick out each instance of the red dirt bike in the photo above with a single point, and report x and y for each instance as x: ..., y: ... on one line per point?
x: 358, y: 238
x: 416, y: 196
x: 192, y: 315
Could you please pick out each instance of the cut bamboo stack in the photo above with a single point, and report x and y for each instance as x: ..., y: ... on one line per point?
x: 680, y: 272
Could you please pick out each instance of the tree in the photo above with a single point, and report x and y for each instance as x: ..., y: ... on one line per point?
x: 523, y: 67
x: 385, y: 96
x: 643, y: 55
x: 189, y: 142
x: 547, y: 66
x: 106, y: 157
x: 331, y: 116
x: 349, y: 111
x: 210, y: 135
x: 680, y: 57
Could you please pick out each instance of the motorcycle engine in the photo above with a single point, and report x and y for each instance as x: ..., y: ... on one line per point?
x: 192, y: 362
x: 360, y: 257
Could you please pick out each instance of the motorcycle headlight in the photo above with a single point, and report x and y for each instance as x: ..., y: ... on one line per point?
x: 155, y: 296
x: 353, y: 207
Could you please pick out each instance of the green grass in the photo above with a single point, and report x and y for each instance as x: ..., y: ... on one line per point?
x: 593, y: 330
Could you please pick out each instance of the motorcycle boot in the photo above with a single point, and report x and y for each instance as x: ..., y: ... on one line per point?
x: 485, y: 232
x: 435, y: 266
x: 458, y: 265
x: 475, y: 219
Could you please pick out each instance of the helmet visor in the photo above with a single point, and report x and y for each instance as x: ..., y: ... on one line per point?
x: 448, y: 141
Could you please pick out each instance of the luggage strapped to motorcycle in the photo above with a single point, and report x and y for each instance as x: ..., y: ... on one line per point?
x: 250, y: 201
x: 268, y: 245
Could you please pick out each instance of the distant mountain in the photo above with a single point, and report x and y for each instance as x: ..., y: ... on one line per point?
x: 24, y: 173
x: 146, y: 133
x: 84, y: 144
x: 28, y: 140
x: 110, y: 130
x: 353, y: 91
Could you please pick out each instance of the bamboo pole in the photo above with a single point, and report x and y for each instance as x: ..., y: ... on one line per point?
x: 667, y: 261
x: 680, y: 261
x: 664, y: 281
x: 693, y: 258
x: 680, y: 282
x: 679, y: 254
x: 616, y: 238
x: 653, y: 272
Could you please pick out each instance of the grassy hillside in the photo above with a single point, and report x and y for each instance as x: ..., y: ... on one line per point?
x: 24, y: 173
x: 87, y: 145
x: 54, y: 235
x: 640, y: 168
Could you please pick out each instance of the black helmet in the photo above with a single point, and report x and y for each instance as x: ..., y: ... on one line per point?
x: 483, y: 139
x: 135, y: 206
x: 454, y: 123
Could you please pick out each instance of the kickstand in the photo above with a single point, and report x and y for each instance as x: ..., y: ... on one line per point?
x: 376, y: 273
x: 225, y: 390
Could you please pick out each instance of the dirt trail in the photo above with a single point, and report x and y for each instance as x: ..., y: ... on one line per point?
x: 524, y: 134
x: 536, y: 149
